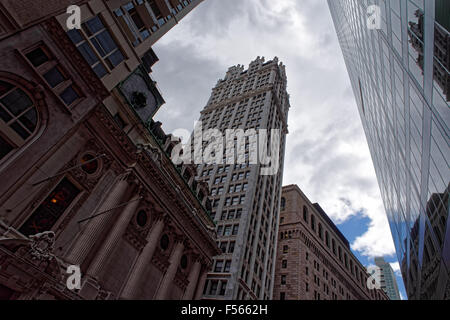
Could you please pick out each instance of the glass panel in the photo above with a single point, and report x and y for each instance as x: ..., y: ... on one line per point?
x: 69, y: 95
x: 115, y: 58
x: 75, y: 36
x: 17, y: 102
x: 5, y: 87
x: 29, y: 119
x: 106, y: 42
x: 37, y: 57
x: 94, y: 25
x: 54, y: 77
x: 100, y: 70
x: 88, y: 53
x: 5, y: 147
x: 20, y: 130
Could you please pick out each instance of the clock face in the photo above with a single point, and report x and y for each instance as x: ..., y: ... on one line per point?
x: 140, y: 95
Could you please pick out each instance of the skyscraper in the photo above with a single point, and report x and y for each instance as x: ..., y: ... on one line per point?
x: 400, y: 77
x: 245, y: 201
x: 388, y: 281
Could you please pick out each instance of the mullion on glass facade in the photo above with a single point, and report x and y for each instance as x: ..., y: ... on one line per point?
x: 402, y: 96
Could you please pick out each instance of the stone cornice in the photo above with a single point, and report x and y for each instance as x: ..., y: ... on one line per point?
x: 150, y: 173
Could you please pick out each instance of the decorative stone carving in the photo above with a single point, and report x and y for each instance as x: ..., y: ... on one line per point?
x: 42, y: 245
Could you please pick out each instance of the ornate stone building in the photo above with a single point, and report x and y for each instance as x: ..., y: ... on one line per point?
x: 314, y: 260
x: 245, y: 200
x: 86, y: 176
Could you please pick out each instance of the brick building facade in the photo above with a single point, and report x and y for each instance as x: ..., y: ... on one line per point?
x: 314, y: 260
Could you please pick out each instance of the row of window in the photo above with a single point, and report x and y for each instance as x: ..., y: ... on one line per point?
x: 349, y: 264
x: 228, y: 230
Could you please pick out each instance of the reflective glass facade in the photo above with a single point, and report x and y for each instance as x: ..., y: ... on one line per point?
x: 400, y: 77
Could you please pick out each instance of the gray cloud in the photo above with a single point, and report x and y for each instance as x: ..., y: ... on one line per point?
x: 327, y: 153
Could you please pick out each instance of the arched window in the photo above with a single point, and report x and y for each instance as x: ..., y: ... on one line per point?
x: 320, y: 231
x: 283, y: 204
x: 18, y: 117
x: 305, y: 213
x: 327, y: 239
x: 333, y: 246
x: 313, y: 223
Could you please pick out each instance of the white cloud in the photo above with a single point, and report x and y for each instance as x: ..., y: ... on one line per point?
x: 327, y: 153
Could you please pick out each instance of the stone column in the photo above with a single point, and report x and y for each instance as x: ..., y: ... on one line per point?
x: 96, y: 224
x: 193, y: 279
x: 169, y: 276
x: 107, y: 248
x: 201, y: 285
x: 135, y: 279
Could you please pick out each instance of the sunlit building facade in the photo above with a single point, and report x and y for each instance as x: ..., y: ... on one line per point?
x: 400, y: 77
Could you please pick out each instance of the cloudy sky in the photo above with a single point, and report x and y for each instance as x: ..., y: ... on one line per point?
x: 327, y: 154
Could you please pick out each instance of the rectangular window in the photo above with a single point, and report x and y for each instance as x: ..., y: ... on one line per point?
x: 231, y: 247
x: 227, y: 266
x: 227, y: 231
x: 219, y: 266
x: 213, y: 288
x: 53, y: 74
x: 51, y: 209
x: 97, y: 46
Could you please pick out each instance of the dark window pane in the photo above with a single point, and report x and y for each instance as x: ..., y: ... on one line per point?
x: 17, y: 102
x: 115, y: 58
x: 137, y: 21
x: 29, y: 119
x: 75, y: 36
x: 4, y: 115
x: 88, y: 53
x: 51, y: 208
x: 106, y: 42
x: 54, y: 77
x: 98, y: 47
x: 94, y: 25
x: 69, y: 95
x: 20, y: 130
x: 99, y: 70
x: 5, y: 87
x: 5, y: 147
x: 37, y: 57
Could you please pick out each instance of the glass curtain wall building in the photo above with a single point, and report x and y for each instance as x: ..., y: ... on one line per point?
x: 398, y: 63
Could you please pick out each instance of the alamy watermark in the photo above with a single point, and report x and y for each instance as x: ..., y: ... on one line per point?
x: 235, y: 146
x: 73, y: 281
x: 374, y: 280
x: 74, y: 19
x: 373, y: 17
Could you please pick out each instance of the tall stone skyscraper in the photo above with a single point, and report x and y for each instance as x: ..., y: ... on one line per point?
x: 388, y: 281
x: 399, y: 63
x: 246, y: 200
